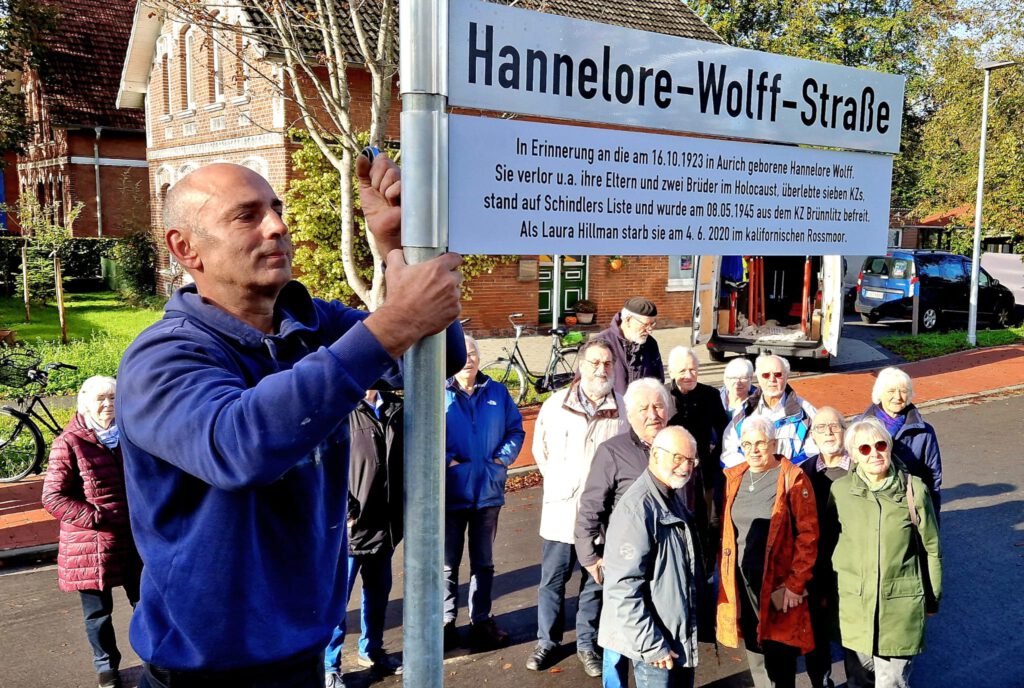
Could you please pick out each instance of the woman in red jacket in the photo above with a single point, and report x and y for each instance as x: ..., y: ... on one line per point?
x: 769, y: 545
x: 84, y: 490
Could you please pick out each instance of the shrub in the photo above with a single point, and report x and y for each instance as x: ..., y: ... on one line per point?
x: 99, y: 355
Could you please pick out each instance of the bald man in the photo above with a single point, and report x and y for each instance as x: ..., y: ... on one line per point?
x: 233, y: 412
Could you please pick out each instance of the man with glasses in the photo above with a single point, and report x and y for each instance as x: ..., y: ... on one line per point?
x: 776, y: 401
x: 831, y: 464
x: 653, y: 569
x: 617, y: 464
x: 571, y: 425
x: 636, y: 351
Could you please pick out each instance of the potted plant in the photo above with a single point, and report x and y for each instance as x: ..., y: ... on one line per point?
x: 585, y: 311
x: 615, y: 263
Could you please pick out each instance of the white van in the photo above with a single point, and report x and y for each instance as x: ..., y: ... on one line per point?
x: 782, y: 333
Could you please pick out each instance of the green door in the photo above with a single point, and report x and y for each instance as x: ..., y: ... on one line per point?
x: 573, y: 285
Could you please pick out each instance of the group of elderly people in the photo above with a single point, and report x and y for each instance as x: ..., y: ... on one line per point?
x: 816, y: 534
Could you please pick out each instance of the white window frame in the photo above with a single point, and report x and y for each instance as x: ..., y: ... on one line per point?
x: 218, y: 69
x: 677, y: 281
x: 189, y: 53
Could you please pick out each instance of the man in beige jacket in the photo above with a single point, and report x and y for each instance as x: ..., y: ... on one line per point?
x: 570, y: 426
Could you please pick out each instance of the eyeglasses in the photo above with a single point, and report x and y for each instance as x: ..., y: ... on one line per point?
x: 596, y: 365
x: 679, y: 459
x: 646, y: 326
x: 880, y: 445
x: 775, y: 374
x: 737, y: 379
x: 760, y: 445
x: 827, y: 427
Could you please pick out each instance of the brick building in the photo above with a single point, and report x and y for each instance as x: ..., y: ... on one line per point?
x: 84, y: 149
x: 202, y: 105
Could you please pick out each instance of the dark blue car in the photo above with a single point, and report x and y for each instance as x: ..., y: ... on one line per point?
x: 885, y: 288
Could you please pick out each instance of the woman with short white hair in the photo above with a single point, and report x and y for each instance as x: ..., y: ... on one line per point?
x: 769, y: 545
x: 915, y: 444
x: 737, y: 384
x: 887, y: 560
x: 85, y: 491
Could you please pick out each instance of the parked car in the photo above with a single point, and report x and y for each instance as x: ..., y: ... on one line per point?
x: 885, y: 288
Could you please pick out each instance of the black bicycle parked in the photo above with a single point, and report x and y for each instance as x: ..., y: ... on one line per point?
x: 22, y: 446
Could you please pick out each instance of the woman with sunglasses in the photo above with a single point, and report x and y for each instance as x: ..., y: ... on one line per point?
x: 887, y: 560
x: 737, y: 384
x: 769, y: 544
x: 914, y: 442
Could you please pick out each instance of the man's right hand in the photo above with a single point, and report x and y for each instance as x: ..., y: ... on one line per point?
x: 422, y: 299
x: 596, y: 571
x: 666, y: 662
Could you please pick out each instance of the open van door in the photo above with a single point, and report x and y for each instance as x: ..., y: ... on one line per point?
x: 831, y: 303
x: 705, y: 299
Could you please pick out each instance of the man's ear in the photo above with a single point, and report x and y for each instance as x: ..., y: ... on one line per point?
x: 181, y: 244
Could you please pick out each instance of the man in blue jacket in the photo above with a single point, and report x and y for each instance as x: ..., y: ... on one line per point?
x: 233, y: 413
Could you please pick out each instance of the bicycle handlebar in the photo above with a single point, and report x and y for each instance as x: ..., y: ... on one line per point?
x: 57, y: 366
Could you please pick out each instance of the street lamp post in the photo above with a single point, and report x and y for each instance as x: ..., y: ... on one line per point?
x: 972, y: 315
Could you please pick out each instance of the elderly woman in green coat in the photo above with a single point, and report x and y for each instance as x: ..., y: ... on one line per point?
x: 887, y: 560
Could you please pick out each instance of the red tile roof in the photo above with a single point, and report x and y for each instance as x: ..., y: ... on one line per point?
x: 945, y: 217
x: 87, y: 55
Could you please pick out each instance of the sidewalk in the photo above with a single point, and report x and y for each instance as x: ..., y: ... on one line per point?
x: 24, y: 526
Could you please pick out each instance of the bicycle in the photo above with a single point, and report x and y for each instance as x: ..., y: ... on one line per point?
x: 22, y: 447
x: 512, y: 370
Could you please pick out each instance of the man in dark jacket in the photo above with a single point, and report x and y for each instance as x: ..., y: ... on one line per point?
x: 636, y: 351
x: 233, y: 412
x: 617, y: 463
x: 374, y: 528
x: 653, y: 569
x: 700, y: 411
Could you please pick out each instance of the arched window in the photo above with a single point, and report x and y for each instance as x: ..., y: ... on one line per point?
x: 164, y: 53
x: 217, y: 67
x: 257, y: 165
x: 188, y: 101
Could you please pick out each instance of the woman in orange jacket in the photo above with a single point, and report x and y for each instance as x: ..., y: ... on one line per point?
x: 769, y: 545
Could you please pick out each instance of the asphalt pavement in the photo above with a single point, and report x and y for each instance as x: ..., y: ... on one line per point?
x: 975, y: 641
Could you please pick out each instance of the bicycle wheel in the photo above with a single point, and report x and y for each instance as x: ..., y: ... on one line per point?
x: 21, y: 446
x: 562, y: 371
x: 509, y: 374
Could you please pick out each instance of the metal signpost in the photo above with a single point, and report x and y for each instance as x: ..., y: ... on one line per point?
x: 424, y: 123
x: 530, y: 188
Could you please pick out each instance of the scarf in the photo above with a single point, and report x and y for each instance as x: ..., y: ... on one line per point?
x: 879, y: 485
x: 893, y: 425
x: 108, y: 437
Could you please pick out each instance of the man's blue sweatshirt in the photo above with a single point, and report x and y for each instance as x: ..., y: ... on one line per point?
x: 236, y: 447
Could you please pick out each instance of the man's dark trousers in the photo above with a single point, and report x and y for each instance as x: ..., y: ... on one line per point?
x: 557, y: 566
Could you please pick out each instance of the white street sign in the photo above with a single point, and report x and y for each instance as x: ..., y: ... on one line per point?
x: 526, y: 187
x: 513, y: 60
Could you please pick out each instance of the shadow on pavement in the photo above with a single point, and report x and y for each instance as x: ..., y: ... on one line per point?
x: 968, y: 490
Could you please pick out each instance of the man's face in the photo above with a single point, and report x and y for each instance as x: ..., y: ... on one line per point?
x: 827, y: 431
x: 683, y: 370
x: 596, y: 371
x: 673, y: 459
x: 241, y: 241
x: 647, y: 414
x: 771, y: 375
x: 472, y: 366
x: 636, y: 328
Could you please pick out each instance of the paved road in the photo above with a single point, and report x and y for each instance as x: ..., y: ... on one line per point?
x: 976, y: 641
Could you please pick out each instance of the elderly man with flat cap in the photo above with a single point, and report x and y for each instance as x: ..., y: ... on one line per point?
x: 234, y: 416
x: 636, y: 351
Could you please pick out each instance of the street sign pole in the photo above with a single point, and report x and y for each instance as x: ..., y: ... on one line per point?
x: 423, y: 31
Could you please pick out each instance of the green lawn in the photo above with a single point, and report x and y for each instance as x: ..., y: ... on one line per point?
x: 930, y: 345
x: 100, y: 328
x: 100, y: 313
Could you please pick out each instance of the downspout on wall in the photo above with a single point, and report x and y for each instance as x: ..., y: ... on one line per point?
x: 99, y: 195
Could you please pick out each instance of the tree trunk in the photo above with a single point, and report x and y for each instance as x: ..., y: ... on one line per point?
x: 24, y: 282
x: 59, y: 283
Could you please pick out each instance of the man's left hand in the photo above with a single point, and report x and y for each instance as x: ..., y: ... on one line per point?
x: 380, y: 193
